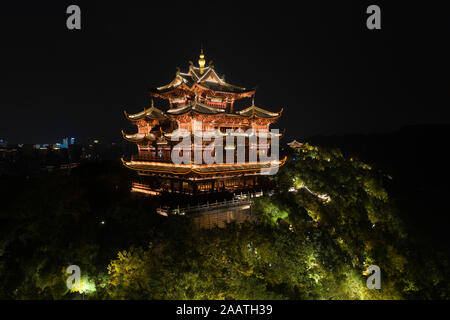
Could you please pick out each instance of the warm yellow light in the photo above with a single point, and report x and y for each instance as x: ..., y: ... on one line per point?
x: 201, y: 62
x: 85, y: 286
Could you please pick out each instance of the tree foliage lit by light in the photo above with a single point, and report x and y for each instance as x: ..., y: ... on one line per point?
x: 86, y: 286
x: 303, y: 247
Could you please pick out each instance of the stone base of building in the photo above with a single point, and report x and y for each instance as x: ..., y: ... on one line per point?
x: 217, y: 214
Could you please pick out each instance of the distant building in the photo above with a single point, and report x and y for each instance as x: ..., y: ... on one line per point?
x: 294, y: 144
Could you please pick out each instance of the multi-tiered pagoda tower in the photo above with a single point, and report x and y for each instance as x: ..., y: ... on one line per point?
x: 199, y: 97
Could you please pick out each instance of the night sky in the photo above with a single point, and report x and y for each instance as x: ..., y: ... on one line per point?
x: 317, y: 60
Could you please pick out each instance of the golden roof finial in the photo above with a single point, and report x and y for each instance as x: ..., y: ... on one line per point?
x: 202, y: 61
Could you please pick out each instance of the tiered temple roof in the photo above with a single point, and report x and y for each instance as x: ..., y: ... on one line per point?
x: 294, y: 144
x: 170, y: 168
x: 197, y: 107
x: 198, y: 80
x: 254, y: 111
x: 199, y: 95
x: 139, y: 137
x: 152, y: 113
x: 201, y: 108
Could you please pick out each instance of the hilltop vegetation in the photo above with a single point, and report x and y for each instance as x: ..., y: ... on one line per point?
x: 329, y: 219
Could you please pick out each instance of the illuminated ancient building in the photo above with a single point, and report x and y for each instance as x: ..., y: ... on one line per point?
x: 199, y: 100
x: 294, y: 144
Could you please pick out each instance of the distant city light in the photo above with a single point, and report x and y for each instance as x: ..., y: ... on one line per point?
x: 65, y: 143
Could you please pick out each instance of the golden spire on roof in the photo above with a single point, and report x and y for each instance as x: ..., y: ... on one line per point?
x: 201, y: 62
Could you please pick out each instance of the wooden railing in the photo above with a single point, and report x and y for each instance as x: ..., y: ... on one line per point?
x: 148, y: 157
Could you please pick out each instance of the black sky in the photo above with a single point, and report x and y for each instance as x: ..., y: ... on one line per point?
x: 315, y: 59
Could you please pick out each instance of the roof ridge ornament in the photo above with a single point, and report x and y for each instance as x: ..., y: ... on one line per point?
x: 201, y: 62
